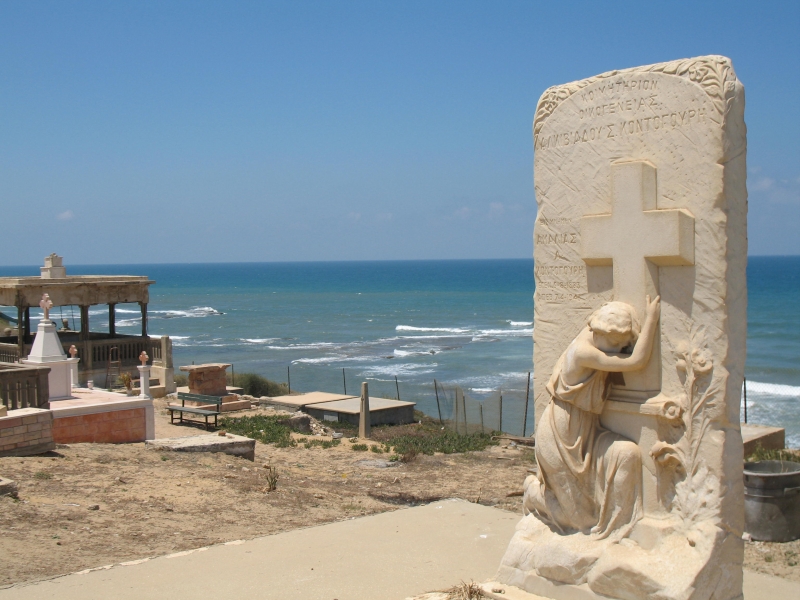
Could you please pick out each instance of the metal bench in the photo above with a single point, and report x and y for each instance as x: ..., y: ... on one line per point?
x: 193, y: 410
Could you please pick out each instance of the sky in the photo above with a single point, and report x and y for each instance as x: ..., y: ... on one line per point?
x: 174, y: 132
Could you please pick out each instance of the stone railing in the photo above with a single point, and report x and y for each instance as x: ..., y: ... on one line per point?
x: 24, y: 386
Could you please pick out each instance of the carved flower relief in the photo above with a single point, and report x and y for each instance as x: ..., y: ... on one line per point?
x: 701, y: 361
x: 672, y: 410
x: 666, y: 455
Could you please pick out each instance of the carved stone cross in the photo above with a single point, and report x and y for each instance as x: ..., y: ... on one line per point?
x: 46, y: 304
x: 73, y: 351
x: 637, y: 238
x: 144, y: 358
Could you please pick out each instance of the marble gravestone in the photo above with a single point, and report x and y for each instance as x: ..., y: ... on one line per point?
x: 640, y: 249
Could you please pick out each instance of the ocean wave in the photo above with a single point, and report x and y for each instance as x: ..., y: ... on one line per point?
x: 129, y: 322
x: 772, y: 389
x: 318, y: 361
x: 520, y: 323
x: 404, y: 353
x: 443, y: 329
x: 505, y: 332
x: 195, y: 311
x: 317, y: 346
x: 258, y: 340
x: 398, y: 369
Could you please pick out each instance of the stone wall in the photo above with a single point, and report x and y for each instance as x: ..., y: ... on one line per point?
x: 114, y: 427
x: 26, y: 431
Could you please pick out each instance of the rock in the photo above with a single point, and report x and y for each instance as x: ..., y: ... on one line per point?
x: 8, y: 488
x: 93, y: 507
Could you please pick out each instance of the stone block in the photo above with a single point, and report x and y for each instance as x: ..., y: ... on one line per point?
x: 235, y: 445
x: 769, y: 438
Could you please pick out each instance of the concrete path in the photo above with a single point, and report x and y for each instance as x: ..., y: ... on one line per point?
x: 389, y: 556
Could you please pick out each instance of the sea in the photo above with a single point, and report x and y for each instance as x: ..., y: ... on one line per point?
x: 400, y: 325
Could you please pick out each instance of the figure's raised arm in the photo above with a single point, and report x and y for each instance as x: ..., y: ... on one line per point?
x: 589, y: 356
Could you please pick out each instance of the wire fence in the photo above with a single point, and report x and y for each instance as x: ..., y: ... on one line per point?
x: 498, y: 411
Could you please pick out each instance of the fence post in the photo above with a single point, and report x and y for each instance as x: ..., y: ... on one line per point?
x: 525, y: 414
x: 464, y: 406
x: 289, y: 378
x: 481, y: 407
x: 455, y: 411
x: 438, y: 407
x: 501, y: 411
x: 397, y: 387
x: 744, y: 383
x: 344, y: 382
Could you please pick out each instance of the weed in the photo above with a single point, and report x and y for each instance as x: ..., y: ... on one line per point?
x: 266, y: 429
x: 256, y: 385
x: 465, y: 591
x: 409, y: 455
x: 446, y: 442
x: 42, y: 475
x: 164, y: 457
x: 325, y: 444
x: 376, y: 449
x: 272, y: 478
x: 762, y: 454
x: 528, y: 455
x: 359, y: 447
x: 768, y: 558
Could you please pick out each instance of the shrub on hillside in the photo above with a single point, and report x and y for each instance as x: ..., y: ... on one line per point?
x: 256, y: 385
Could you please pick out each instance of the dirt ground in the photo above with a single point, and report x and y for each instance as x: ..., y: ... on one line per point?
x: 89, y: 505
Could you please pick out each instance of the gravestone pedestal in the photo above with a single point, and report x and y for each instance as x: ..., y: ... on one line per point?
x: 640, y: 185
x: 48, y: 351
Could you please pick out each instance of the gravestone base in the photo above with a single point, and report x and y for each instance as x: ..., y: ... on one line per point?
x: 660, y: 560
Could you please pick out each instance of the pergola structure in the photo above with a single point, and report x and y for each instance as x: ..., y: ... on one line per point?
x: 84, y: 291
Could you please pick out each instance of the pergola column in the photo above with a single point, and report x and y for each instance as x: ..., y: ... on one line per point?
x: 20, y: 334
x: 84, y: 335
x: 27, y: 324
x: 112, y: 319
x: 143, y: 306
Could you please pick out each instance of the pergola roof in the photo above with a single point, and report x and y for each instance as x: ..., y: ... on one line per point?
x: 80, y: 290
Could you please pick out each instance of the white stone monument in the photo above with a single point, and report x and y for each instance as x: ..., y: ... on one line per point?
x: 640, y: 248
x: 47, y: 350
x: 144, y: 376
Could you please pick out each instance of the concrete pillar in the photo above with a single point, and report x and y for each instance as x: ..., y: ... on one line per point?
x: 27, y: 324
x: 112, y: 319
x: 143, y: 306
x: 20, y: 335
x: 144, y: 381
x: 86, y: 344
x: 364, y: 423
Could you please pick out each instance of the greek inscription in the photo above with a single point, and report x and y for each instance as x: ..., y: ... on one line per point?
x: 664, y: 121
x: 619, y: 86
x: 633, y: 105
x: 556, y: 296
x: 552, y: 239
x: 560, y: 285
x: 558, y: 270
x: 554, y: 221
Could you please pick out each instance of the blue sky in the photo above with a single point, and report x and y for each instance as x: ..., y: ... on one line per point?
x: 142, y: 132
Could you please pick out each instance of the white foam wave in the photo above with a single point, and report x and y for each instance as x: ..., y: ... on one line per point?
x: 398, y: 369
x: 317, y: 361
x: 772, y: 389
x: 520, y: 323
x: 195, y: 311
x: 403, y: 353
x: 443, y: 329
x: 129, y: 322
x: 258, y: 340
x: 506, y: 332
x: 317, y: 346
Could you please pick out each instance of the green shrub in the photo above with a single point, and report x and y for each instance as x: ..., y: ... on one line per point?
x: 761, y: 454
x: 359, y: 447
x: 253, y: 384
x: 181, y: 380
x: 265, y: 429
x: 446, y: 442
x: 325, y: 444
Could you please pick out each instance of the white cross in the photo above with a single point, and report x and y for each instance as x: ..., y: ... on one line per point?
x: 637, y: 238
x: 144, y: 358
x: 46, y: 304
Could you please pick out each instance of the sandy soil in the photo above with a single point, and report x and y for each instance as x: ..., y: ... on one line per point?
x: 153, y: 503
x: 89, y: 505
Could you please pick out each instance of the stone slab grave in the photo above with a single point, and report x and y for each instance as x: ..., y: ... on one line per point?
x: 640, y: 185
x: 382, y: 411
x: 210, y: 380
x: 235, y: 445
x: 768, y: 438
x: 300, y: 401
